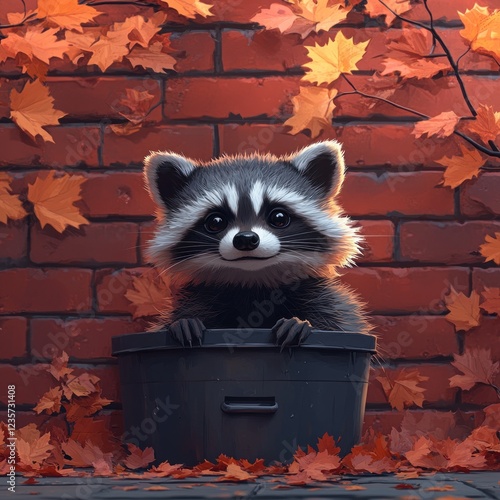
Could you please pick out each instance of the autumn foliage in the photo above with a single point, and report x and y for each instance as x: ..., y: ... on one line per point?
x: 415, y: 59
x: 84, y: 442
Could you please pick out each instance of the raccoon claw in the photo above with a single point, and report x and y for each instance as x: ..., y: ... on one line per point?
x: 187, y: 330
x: 291, y: 331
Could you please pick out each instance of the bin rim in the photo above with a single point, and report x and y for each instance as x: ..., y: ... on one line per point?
x: 235, y: 338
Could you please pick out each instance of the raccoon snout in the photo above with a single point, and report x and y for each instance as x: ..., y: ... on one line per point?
x: 246, y: 240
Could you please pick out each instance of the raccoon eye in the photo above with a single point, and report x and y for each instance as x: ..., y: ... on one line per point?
x: 278, y: 218
x: 215, y: 223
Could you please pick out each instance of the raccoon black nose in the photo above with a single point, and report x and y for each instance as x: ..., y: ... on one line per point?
x: 246, y: 240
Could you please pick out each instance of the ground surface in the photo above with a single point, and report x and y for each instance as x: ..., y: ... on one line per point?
x: 473, y: 485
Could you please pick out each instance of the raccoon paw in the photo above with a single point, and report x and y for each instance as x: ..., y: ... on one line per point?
x: 291, y: 331
x: 185, y: 331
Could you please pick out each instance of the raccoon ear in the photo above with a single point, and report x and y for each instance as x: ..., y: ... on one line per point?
x: 165, y: 175
x: 323, y: 165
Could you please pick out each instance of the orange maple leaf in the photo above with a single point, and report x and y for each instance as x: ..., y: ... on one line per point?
x: 84, y: 456
x: 68, y: 14
x: 33, y: 108
x: 59, y: 367
x: 402, y: 389
x: 442, y: 125
x: 82, y: 385
x: 477, y: 368
x: 105, y: 52
x: 482, y: 29
x: 491, y: 300
x: 407, y: 56
x: 138, y: 459
x: 150, y: 294
x: 329, y: 61
x: 312, y: 467
x: 190, y: 8
x: 50, y: 402
x: 85, y: 406
x: 464, y: 311
x: 486, y: 123
x: 374, y: 9
x: 34, y: 452
x: 136, y: 30
x: 35, y: 43
x: 152, y: 58
x: 278, y: 16
x: 53, y: 200
x: 312, y: 109
x: 461, y: 168
x: 327, y: 443
x: 236, y: 473
x: 11, y: 206
x: 490, y: 249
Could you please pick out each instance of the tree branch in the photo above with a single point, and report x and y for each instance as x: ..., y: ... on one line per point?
x: 493, y: 152
x: 445, y: 48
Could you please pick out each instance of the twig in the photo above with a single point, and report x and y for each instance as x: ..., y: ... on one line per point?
x: 489, y: 152
x: 445, y: 48
x: 21, y: 23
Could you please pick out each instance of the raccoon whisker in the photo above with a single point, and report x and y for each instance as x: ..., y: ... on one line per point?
x: 205, y: 235
x: 184, y: 260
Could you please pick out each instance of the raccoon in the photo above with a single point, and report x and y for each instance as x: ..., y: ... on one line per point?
x: 255, y: 240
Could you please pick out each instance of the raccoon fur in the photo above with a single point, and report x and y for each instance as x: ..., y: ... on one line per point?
x: 254, y: 241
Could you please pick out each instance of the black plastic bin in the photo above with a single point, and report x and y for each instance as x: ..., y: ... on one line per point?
x: 239, y: 395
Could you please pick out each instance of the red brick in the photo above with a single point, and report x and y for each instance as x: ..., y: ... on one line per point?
x: 13, y: 241
x: 485, y: 278
x: 110, y: 381
x: 45, y: 290
x: 73, y: 145
x: 85, y: 338
x: 111, y: 286
x: 444, y: 242
x: 480, y: 196
x: 433, y: 97
x: 91, y: 244
x: 414, y: 193
x: 437, y: 393
x: 378, y: 242
x: 447, y: 11
x: 406, y: 289
x: 414, y: 337
x: 116, y: 194
x: 31, y: 382
x: 195, y: 51
x: 193, y: 141
x: 382, y: 421
x: 187, y: 97
x: 361, y: 144
x: 99, y: 97
x: 12, y: 337
x: 486, y: 336
x: 270, y: 50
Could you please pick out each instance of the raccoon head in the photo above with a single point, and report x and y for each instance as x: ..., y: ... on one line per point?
x: 255, y: 219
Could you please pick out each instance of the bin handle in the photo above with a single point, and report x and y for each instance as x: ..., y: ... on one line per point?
x: 249, y: 405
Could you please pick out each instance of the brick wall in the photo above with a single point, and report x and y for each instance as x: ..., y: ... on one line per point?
x: 231, y: 94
